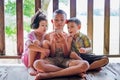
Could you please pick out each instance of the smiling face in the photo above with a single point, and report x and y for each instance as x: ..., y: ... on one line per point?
x: 73, y: 28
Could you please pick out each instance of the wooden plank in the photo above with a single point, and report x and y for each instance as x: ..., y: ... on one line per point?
x: 114, y: 67
x: 72, y: 8
x: 55, y: 4
x: 106, y: 26
x: 2, y: 31
x: 19, y: 11
x: 90, y: 20
x: 10, y: 57
x: 7, y: 71
x: 37, y: 5
x: 119, y: 27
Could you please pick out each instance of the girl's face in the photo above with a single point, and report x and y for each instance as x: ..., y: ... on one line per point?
x: 42, y: 26
x: 73, y: 28
x: 59, y: 21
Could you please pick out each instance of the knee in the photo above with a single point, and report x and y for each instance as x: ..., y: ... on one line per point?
x: 46, y: 43
x: 85, y: 65
x: 38, y: 64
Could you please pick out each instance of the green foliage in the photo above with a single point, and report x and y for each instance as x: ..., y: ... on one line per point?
x: 29, y: 7
x: 10, y: 31
x: 10, y: 7
x: 27, y: 27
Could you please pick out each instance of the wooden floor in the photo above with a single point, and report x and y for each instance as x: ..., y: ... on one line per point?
x: 19, y: 72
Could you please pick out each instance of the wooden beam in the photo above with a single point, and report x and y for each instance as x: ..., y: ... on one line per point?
x: 72, y: 8
x: 10, y: 57
x: 119, y: 27
x: 2, y: 31
x: 90, y: 20
x: 19, y: 11
x: 37, y: 5
x: 106, y: 26
x: 55, y: 4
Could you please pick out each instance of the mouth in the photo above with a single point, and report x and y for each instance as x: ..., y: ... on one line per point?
x: 70, y: 32
x: 44, y: 30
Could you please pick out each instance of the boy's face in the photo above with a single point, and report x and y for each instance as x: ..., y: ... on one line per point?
x: 73, y: 28
x: 59, y: 21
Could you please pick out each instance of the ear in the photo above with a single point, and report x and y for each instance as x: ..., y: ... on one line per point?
x: 66, y: 21
x: 51, y: 20
x: 79, y: 27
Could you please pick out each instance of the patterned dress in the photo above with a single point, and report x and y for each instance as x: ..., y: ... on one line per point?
x: 31, y: 37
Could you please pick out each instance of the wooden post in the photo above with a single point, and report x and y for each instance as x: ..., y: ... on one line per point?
x: 2, y: 33
x: 106, y: 26
x: 37, y: 5
x: 119, y: 28
x: 72, y: 8
x: 90, y: 20
x: 19, y: 11
x: 55, y: 5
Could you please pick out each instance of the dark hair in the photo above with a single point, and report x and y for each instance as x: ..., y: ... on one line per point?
x: 74, y: 19
x: 59, y: 11
x: 39, y: 16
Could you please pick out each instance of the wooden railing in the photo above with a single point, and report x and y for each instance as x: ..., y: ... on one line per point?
x: 19, y: 20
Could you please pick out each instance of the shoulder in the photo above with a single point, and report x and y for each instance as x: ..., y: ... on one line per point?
x: 31, y: 35
x: 47, y: 36
x: 82, y: 35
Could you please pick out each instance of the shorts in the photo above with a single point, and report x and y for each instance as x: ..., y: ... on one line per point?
x: 62, y: 62
x: 90, y: 57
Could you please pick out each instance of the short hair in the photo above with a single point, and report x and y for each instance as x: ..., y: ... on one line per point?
x: 39, y: 16
x: 59, y: 11
x: 74, y: 19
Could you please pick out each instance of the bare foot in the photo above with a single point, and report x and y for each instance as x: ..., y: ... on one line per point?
x: 32, y: 71
x: 82, y: 75
x: 41, y: 76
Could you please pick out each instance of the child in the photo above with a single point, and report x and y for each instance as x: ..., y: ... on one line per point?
x: 82, y: 46
x: 58, y: 63
x: 33, y: 44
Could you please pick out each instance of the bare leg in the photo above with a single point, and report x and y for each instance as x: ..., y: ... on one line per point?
x: 45, y: 66
x: 99, y: 63
x: 76, y: 67
x: 31, y: 59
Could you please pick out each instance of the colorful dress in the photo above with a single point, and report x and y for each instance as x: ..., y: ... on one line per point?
x: 31, y: 37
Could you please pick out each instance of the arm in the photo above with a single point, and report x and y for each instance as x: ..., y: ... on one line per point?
x: 66, y: 43
x: 87, y: 45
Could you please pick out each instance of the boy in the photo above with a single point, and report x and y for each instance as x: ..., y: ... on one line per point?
x: 58, y: 63
x: 82, y: 46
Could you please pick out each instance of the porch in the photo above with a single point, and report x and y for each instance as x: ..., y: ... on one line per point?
x: 15, y: 70
x: 19, y: 72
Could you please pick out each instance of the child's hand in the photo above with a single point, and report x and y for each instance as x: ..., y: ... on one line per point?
x: 60, y: 37
x: 36, y: 42
x: 82, y: 50
x: 73, y: 55
x: 52, y: 38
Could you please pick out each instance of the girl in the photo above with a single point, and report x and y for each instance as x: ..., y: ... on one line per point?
x: 33, y: 44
